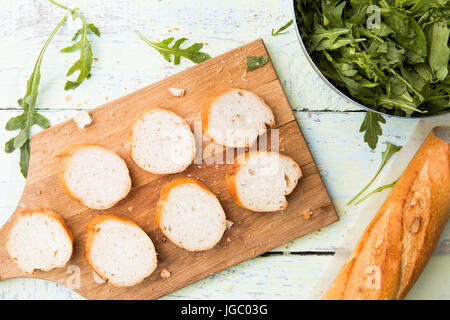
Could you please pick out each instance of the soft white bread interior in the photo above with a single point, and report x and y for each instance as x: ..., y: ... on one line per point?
x: 236, y: 117
x: 97, y: 177
x: 190, y: 215
x: 162, y: 142
x: 119, y: 250
x: 260, y: 180
x: 39, y: 239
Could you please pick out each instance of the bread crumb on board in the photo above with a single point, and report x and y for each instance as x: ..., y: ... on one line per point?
x: 97, y: 278
x: 165, y: 273
x: 307, y: 213
x: 82, y: 119
x: 229, y: 224
x: 176, y: 92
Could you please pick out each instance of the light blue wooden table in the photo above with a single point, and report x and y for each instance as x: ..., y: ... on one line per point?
x: 329, y: 123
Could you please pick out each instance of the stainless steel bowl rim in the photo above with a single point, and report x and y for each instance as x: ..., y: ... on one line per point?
x: 308, y: 57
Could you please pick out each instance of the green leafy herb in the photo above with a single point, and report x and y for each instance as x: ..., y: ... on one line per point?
x: 29, y: 117
x: 371, y: 128
x: 379, y: 189
x: 390, y: 150
x: 398, y: 66
x: 84, y: 64
x: 192, y: 53
x: 280, y: 30
x: 255, y: 62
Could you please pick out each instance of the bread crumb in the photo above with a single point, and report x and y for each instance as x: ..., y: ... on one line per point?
x: 106, y: 98
x: 164, y: 239
x: 96, y: 59
x: 130, y: 208
x: 68, y: 98
x: 228, y: 239
x: 165, y: 273
x: 39, y: 192
x: 307, y: 214
x: 176, y: 92
x: 229, y: 224
x: 22, y: 205
x: 82, y: 119
x: 253, y: 252
x: 97, y: 278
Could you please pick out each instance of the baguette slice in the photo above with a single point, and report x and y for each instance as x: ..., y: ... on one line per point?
x: 119, y: 250
x: 95, y: 176
x: 260, y: 180
x: 39, y: 239
x: 162, y: 142
x: 190, y: 215
x: 236, y: 117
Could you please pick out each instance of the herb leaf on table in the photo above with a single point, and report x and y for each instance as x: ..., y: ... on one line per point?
x: 390, y: 150
x: 371, y: 128
x: 192, y: 53
x: 256, y: 62
x: 282, y: 29
x: 84, y: 64
x: 29, y: 117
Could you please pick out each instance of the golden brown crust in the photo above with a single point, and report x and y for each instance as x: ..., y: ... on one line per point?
x: 37, y: 211
x: 164, y: 195
x: 130, y: 137
x: 206, y: 109
x: 91, y: 230
x: 399, y: 241
x: 64, y: 158
x: 233, y: 170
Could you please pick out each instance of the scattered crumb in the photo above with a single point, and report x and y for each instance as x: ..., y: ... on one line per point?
x: 106, y: 98
x: 216, y: 166
x: 117, y: 62
x: 22, y: 205
x: 307, y: 213
x: 68, y: 98
x: 97, y: 278
x: 130, y: 208
x: 176, y: 92
x: 228, y: 239
x: 39, y: 192
x: 229, y: 224
x: 176, y: 29
x: 112, y: 114
x: 96, y: 59
x: 164, y: 239
x: 253, y: 252
x: 170, y: 30
x: 255, y: 15
x: 165, y: 273
x: 82, y: 119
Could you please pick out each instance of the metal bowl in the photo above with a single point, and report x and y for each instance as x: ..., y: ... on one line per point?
x: 305, y: 51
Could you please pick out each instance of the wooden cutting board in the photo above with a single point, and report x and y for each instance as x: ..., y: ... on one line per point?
x: 251, y: 234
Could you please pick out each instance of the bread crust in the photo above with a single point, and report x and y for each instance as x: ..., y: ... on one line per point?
x: 406, y: 229
x: 38, y: 211
x: 164, y: 195
x: 208, y: 102
x: 130, y: 138
x: 91, y: 231
x: 239, y: 163
x: 64, y: 158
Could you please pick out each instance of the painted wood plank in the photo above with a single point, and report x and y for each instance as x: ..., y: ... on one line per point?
x: 272, y: 277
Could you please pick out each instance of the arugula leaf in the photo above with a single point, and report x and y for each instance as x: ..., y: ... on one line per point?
x: 280, y: 30
x: 256, y: 62
x: 379, y: 189
x: 84, y: 64
x: 192, y: 53
x: 390, y: 150
x: 371, y: 128
x: 29, y: 117
x: 438, y: 34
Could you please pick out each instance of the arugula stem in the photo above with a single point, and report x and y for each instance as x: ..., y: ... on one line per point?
x: 367, y: 186
x: 60, y: 5
x: 379, y: 189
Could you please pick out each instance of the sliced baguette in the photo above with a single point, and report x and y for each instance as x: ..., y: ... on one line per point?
x: 236, y: 117
x: 39, y: 239
x: 162, y: 142
x: 119, y: 250
x: 190, y: 215
x: 260, y: 180
x: 95, y: 176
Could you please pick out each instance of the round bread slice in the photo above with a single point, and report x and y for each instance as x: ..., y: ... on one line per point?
x: 39, y: 239
x: 95, y: 176
x: 162, y: 142
x: 260, y: 180
x: 119, y: 250
x: 235, y: 117
x: 190, y: 215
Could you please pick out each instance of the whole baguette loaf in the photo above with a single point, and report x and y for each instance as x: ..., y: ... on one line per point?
x: 399, y: 241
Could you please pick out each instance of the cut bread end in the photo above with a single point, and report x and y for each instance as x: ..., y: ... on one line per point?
x: 260, y: 180
x: 236, y: 117
x: 39, y: 239
x: 162, y: 142
x: 95, y: 176
x: 190, y: 215
x: 119, y: 250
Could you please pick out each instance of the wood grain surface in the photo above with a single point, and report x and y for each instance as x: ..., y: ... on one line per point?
x: 252, y: 233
